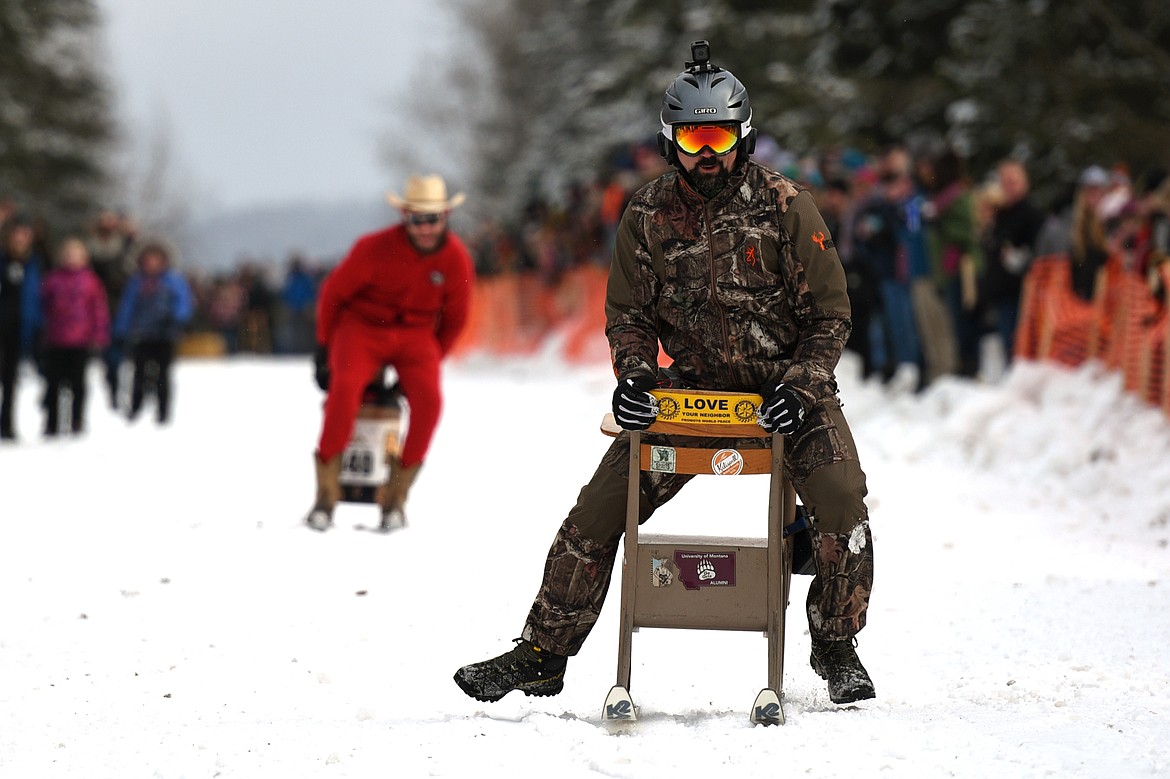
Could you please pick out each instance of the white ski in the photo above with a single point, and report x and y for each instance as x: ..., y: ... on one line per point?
x: 767, y: 709
x: 619, y: 707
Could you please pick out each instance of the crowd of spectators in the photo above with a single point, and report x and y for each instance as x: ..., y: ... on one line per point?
x: 110, y: 294
x: 934, y: 256
x: 253, y: 309
x: 934, y: 253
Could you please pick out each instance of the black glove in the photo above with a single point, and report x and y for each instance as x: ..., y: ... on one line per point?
x: 634, y: 408
x: 321, y: 367
x: 781, y: 411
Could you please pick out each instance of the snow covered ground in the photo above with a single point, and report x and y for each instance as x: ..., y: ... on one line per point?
x: 164, y: 613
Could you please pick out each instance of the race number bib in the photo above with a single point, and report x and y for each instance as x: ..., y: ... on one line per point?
x: 364, y: 461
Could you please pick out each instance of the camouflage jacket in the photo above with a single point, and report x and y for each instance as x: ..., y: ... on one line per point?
x: 740, y: 290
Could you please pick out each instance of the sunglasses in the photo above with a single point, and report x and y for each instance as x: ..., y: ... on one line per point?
x: 719, y: 138
x: 412, y: 218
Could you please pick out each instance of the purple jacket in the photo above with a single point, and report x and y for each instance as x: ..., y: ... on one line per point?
x: 73, y: 303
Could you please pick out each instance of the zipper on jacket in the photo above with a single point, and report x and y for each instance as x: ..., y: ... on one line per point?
x: 714, y: 286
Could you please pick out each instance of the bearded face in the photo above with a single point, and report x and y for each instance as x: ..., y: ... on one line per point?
x: 708, y: 173
x: 425, y: 231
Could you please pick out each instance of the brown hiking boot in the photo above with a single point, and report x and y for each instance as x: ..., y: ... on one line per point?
x: 394, y: 494
x: 328, y: 493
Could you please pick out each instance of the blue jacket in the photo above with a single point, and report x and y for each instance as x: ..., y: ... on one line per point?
x: 299, y: 292
x: 154, y: 308
x: 26, y: 310
x: 912, y: 237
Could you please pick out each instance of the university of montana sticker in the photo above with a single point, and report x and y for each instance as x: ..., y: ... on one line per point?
x: 705, y: 569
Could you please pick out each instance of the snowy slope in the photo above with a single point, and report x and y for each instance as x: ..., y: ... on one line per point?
x: 163, y: 613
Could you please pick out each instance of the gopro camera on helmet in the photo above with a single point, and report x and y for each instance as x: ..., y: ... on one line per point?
x: 700, y: 56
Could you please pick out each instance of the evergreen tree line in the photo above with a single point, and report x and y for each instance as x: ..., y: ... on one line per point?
x: 56, y: 123
x: 555, y: 85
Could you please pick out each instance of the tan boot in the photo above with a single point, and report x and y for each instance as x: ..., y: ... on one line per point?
x: 328, y: 493
x: 394, y: 495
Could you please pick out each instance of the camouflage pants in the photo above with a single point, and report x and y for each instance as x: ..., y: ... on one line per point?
x: 820, y: 461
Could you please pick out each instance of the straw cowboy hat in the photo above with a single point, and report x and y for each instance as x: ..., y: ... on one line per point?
x: 425, y: 194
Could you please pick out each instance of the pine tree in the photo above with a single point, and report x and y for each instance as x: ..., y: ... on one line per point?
x: 56, y: 124
x: 1059, y: 84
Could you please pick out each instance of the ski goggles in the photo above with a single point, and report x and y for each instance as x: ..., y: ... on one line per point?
x: 719, y: 138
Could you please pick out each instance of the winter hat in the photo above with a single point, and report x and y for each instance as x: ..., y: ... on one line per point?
x: 1094, y: 176
x: 425, y: 195
x: 158, y: 245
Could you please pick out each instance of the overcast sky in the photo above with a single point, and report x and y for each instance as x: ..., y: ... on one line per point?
x: 272, y: 101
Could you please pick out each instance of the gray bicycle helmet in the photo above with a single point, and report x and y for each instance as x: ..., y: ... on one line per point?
x: 705, y: 94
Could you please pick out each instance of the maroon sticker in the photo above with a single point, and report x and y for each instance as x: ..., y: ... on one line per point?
x: 705, y: 569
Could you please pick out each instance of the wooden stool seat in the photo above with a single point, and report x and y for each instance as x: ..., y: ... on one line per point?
x: 705, y: 582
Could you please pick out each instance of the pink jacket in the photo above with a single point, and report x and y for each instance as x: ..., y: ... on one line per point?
x: 76, y: 314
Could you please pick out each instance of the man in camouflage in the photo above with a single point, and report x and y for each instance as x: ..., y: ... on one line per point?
x: 731, y: 267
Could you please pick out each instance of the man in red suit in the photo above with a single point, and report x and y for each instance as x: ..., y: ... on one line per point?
x: 399, y: 298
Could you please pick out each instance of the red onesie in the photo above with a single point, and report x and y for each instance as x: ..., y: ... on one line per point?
x: 389, y: 304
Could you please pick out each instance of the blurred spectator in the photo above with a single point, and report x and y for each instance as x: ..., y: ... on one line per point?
x: 581, y: 231
x: 259, y: 303
x: 615, y: 194
x: 542, y: 242
x: 837, y: 208
x: 873, y: 247
x: 1055, y: 235
x: 77, y: 321
x: 200, y: 294
x: 955, y: 254
x: 1087, y: 246
x: 297, y: 313
x: 483, y: 243
x: 154, y: 309
x: 1014, y: 227
x: 878, y: 232
x: 1118, y: 192
x: 225, y: 310
x: 1128, y: 240
x: 932, y: 324
x: 110, y: 242
x: 20, y: 309
x: 1157, y: 208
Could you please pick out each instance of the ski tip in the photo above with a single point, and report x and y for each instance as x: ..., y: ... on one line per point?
x: 619, y: 707
x: 767, y: 709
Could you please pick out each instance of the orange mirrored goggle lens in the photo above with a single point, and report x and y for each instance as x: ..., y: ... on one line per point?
x: 691, y: 138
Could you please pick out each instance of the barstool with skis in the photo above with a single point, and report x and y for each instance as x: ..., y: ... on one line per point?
x: 706, y: 582
x: 369, y: 462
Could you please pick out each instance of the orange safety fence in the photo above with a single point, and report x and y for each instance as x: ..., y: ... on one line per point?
x: 585, y: 334
x: 1125, y: 325
x: 1055, y: 323
x: 1153, y: 377
x: 517, y: 314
